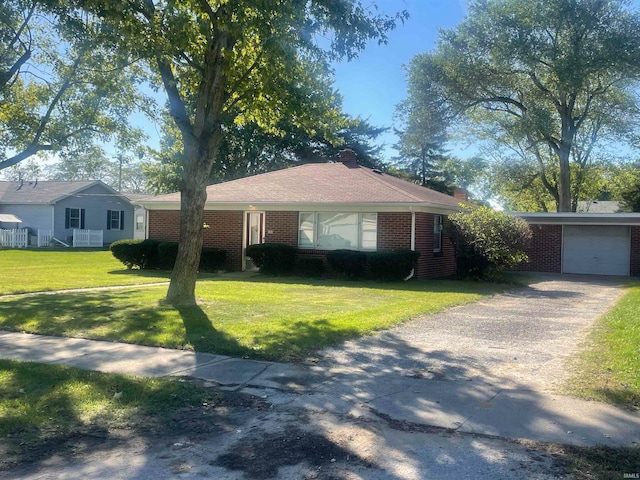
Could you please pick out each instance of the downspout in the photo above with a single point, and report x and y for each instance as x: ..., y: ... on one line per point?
x: 413, y: 242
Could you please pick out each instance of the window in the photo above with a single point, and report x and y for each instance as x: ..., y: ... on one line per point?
x: 330, y: 231
x: 139, y: 222
x: 115, y: 219
x: 437, y: 233
x: 74, y: 218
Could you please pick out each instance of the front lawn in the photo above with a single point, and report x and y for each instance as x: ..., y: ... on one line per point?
x: 275, y: 319
x: 53, y: 269
x: 609, y: 369
x: 42, y: 407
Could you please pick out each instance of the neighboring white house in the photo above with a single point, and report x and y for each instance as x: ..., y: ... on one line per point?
x: 139, y: 215
x: 62, y: 207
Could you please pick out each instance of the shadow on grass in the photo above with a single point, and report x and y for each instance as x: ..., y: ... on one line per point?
x: 52, y: 409
x: 202, y: 335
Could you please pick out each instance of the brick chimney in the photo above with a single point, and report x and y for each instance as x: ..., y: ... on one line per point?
x: 461, y: 194
x: 348, y: 157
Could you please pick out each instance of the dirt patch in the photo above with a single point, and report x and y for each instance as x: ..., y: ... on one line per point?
x: 261, y: 457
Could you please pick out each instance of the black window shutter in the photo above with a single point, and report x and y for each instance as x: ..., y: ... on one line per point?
x: 121, y: 219
x: 67, y: 216
x: 108, y: 219
x: 82, y: 219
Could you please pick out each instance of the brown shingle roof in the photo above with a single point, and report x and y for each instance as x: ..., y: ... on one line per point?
x: 324, y: 183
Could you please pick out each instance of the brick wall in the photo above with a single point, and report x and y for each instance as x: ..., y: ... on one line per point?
x: 225, y: 231
x: 433, y: 264
x: 394, y: 231
x: 281, y: 227
x: 635, y: 251
x: 545, y: 252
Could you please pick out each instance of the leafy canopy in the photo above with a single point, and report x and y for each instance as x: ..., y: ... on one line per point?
x: 551, y: 75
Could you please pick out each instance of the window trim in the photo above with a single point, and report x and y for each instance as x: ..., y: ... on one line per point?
x: 111, y: 220
x: 314, y: 222
x: 68, y: 219
x: 437, y: 233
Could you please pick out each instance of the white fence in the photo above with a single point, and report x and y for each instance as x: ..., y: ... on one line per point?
x: 44, y: 238
x: 87, y: 238
x: 14, y: 238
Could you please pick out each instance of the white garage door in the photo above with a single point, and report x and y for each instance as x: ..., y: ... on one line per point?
x: 597, y: 250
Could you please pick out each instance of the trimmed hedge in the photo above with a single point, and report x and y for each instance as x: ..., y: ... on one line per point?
x: 392, y: 265
x: 212, y: 259
x: 272, y: 258
x: 311, y: 267
x: 348, y: 263
x: 167, y: 254
x: 153, y: 254
x: 128, y: 251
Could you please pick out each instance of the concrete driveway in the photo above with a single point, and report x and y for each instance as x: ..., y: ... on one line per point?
x: 519, y: 339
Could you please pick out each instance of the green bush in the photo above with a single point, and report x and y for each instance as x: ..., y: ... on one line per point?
x: 128, y: 251
x: 348, y: 263
x: 167, y: 254
x: 272, y: 258
x: 488, y: 241
x: 149, y: 252
x: 212, y: 259
x: 392, y: 265
x: 311, y: 267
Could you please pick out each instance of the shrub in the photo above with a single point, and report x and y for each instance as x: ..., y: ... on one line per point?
x: 348, y: 263
x: 167, y: 254
x: 149, y: 252
x: 392, y: 265
x: 488, y: 241
x: 128, y: 251
x: 272, y: 258
x: 212, y: 259
x: 311, y: 267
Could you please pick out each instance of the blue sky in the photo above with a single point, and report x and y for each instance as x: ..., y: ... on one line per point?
x: 373, y: 84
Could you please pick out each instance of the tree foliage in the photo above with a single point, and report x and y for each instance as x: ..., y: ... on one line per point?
x: 488, y: 241
x: 248, y: 149
x: 553, y: 76
x: 61, y: 84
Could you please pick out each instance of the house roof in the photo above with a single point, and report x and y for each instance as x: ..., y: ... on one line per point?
x: 319, y: 183
x: 44, y: 192
x: 598, y: 206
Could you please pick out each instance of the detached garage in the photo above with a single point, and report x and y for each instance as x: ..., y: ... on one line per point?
x: 583, y: 243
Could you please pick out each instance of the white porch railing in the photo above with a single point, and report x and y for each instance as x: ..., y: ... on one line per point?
x: 87, y: 238
x: 14, y: 238
x: 44, y: 238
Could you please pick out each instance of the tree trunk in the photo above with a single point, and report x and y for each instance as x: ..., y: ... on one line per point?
x: 193, y: 195
x: 564, y: 181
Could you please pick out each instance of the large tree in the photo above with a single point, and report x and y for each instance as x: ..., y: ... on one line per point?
x: 61, y: 85
x: 236, y: 61
x: 553, y: 75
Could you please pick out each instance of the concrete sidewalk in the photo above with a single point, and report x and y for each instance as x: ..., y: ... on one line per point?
x: 457, y: 405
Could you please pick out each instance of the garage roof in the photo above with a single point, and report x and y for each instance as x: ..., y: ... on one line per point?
x: 562, y: 218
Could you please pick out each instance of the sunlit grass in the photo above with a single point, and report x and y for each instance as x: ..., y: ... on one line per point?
x: 277, y: 319
x: 609, y: 370
x: 52, y: 269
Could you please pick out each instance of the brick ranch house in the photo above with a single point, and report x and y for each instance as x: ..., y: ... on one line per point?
x: 584, y: 243
x: 319, y: 207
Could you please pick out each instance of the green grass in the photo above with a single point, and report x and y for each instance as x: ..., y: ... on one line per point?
x: 275, y: 319
x: 609, y: 370
x: 51, y: 269
x: 42, y: 406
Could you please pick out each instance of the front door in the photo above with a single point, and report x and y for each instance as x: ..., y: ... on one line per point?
x: 253, y: 233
